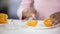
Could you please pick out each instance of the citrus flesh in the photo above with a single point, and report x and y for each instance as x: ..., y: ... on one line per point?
x: 32, y: 23
x: 47, y: 22
x: 3, y: 18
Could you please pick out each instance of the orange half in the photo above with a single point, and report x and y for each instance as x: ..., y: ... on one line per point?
x: 3, y: 18
x: 47, y: 22
x: 32, y: 23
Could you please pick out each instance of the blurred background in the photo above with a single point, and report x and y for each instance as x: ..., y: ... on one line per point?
x: 10, y: 7
x: 3, y: 6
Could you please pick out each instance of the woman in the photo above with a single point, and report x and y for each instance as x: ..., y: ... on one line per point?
x: 44, y: 8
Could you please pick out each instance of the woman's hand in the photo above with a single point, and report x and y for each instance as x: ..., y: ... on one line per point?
x: 23, y: 5
x: 29, y: 13
x: 56, y: 18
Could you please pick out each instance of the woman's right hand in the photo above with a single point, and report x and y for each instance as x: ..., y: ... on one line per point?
x: 56, y: 18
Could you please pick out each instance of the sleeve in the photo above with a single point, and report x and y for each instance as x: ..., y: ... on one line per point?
x: 24, y: 4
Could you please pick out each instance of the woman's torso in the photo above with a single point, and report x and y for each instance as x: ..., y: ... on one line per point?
x: 46, y: 7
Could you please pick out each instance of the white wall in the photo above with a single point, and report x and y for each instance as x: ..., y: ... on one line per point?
x: 13, y: 6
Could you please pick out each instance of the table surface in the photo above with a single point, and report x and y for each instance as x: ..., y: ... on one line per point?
x: 15, y: 28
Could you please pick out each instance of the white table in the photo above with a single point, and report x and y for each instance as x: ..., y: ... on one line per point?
x: 20, y: 30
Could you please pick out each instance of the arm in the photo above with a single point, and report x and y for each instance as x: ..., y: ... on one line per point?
x: 24, y: 4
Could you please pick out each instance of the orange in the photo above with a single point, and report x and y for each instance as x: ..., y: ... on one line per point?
x: 47, y: 22
x: 3, y: 21
x: 3, y: 18
x: 32, y: 23
x: 2, y: 15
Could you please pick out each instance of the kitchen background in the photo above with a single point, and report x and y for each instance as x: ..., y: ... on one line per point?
x: 10, y: 7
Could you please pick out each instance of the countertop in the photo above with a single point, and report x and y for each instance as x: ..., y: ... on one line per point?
x: 15, y: 28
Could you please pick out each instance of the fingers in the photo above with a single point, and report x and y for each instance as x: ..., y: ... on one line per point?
x: 55, y: 22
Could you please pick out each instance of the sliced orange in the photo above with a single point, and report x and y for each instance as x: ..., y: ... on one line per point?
x: 47, y: 22
x: 2, y: 15
x: 3, y: 21
x: 32, y: 23
x: 3, y: 18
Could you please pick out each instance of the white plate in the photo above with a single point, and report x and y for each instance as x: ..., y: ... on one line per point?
x: 39, y: 25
